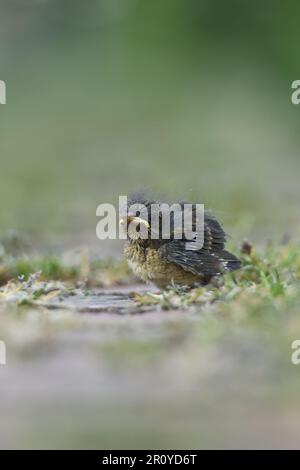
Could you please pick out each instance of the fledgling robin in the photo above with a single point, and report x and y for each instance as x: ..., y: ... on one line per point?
x: 167, y: 262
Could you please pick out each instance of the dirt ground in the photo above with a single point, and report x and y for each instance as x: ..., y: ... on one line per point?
x: 93, y: 372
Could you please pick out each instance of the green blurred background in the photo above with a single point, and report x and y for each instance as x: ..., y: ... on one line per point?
x: 190, y: 98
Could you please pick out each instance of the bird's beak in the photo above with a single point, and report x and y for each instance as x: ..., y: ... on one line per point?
x: 136, y: 220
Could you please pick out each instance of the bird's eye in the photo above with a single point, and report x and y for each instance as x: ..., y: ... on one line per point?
x: 138, y: 228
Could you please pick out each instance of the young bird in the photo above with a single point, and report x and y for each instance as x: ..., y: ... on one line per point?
x: 167, y: 262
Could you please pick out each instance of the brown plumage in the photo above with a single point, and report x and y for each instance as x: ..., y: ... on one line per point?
x: 166, y: 262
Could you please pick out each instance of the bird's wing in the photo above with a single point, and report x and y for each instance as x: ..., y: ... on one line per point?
x: 201, y: 262
x: 214, y: 235
x: 210, y: 260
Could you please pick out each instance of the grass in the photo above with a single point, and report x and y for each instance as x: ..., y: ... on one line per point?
x: 264, y: 293
x: 267, y: 275
x: 18, y: 261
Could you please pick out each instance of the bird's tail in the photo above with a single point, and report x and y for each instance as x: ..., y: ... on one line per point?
x: 229, y: 261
